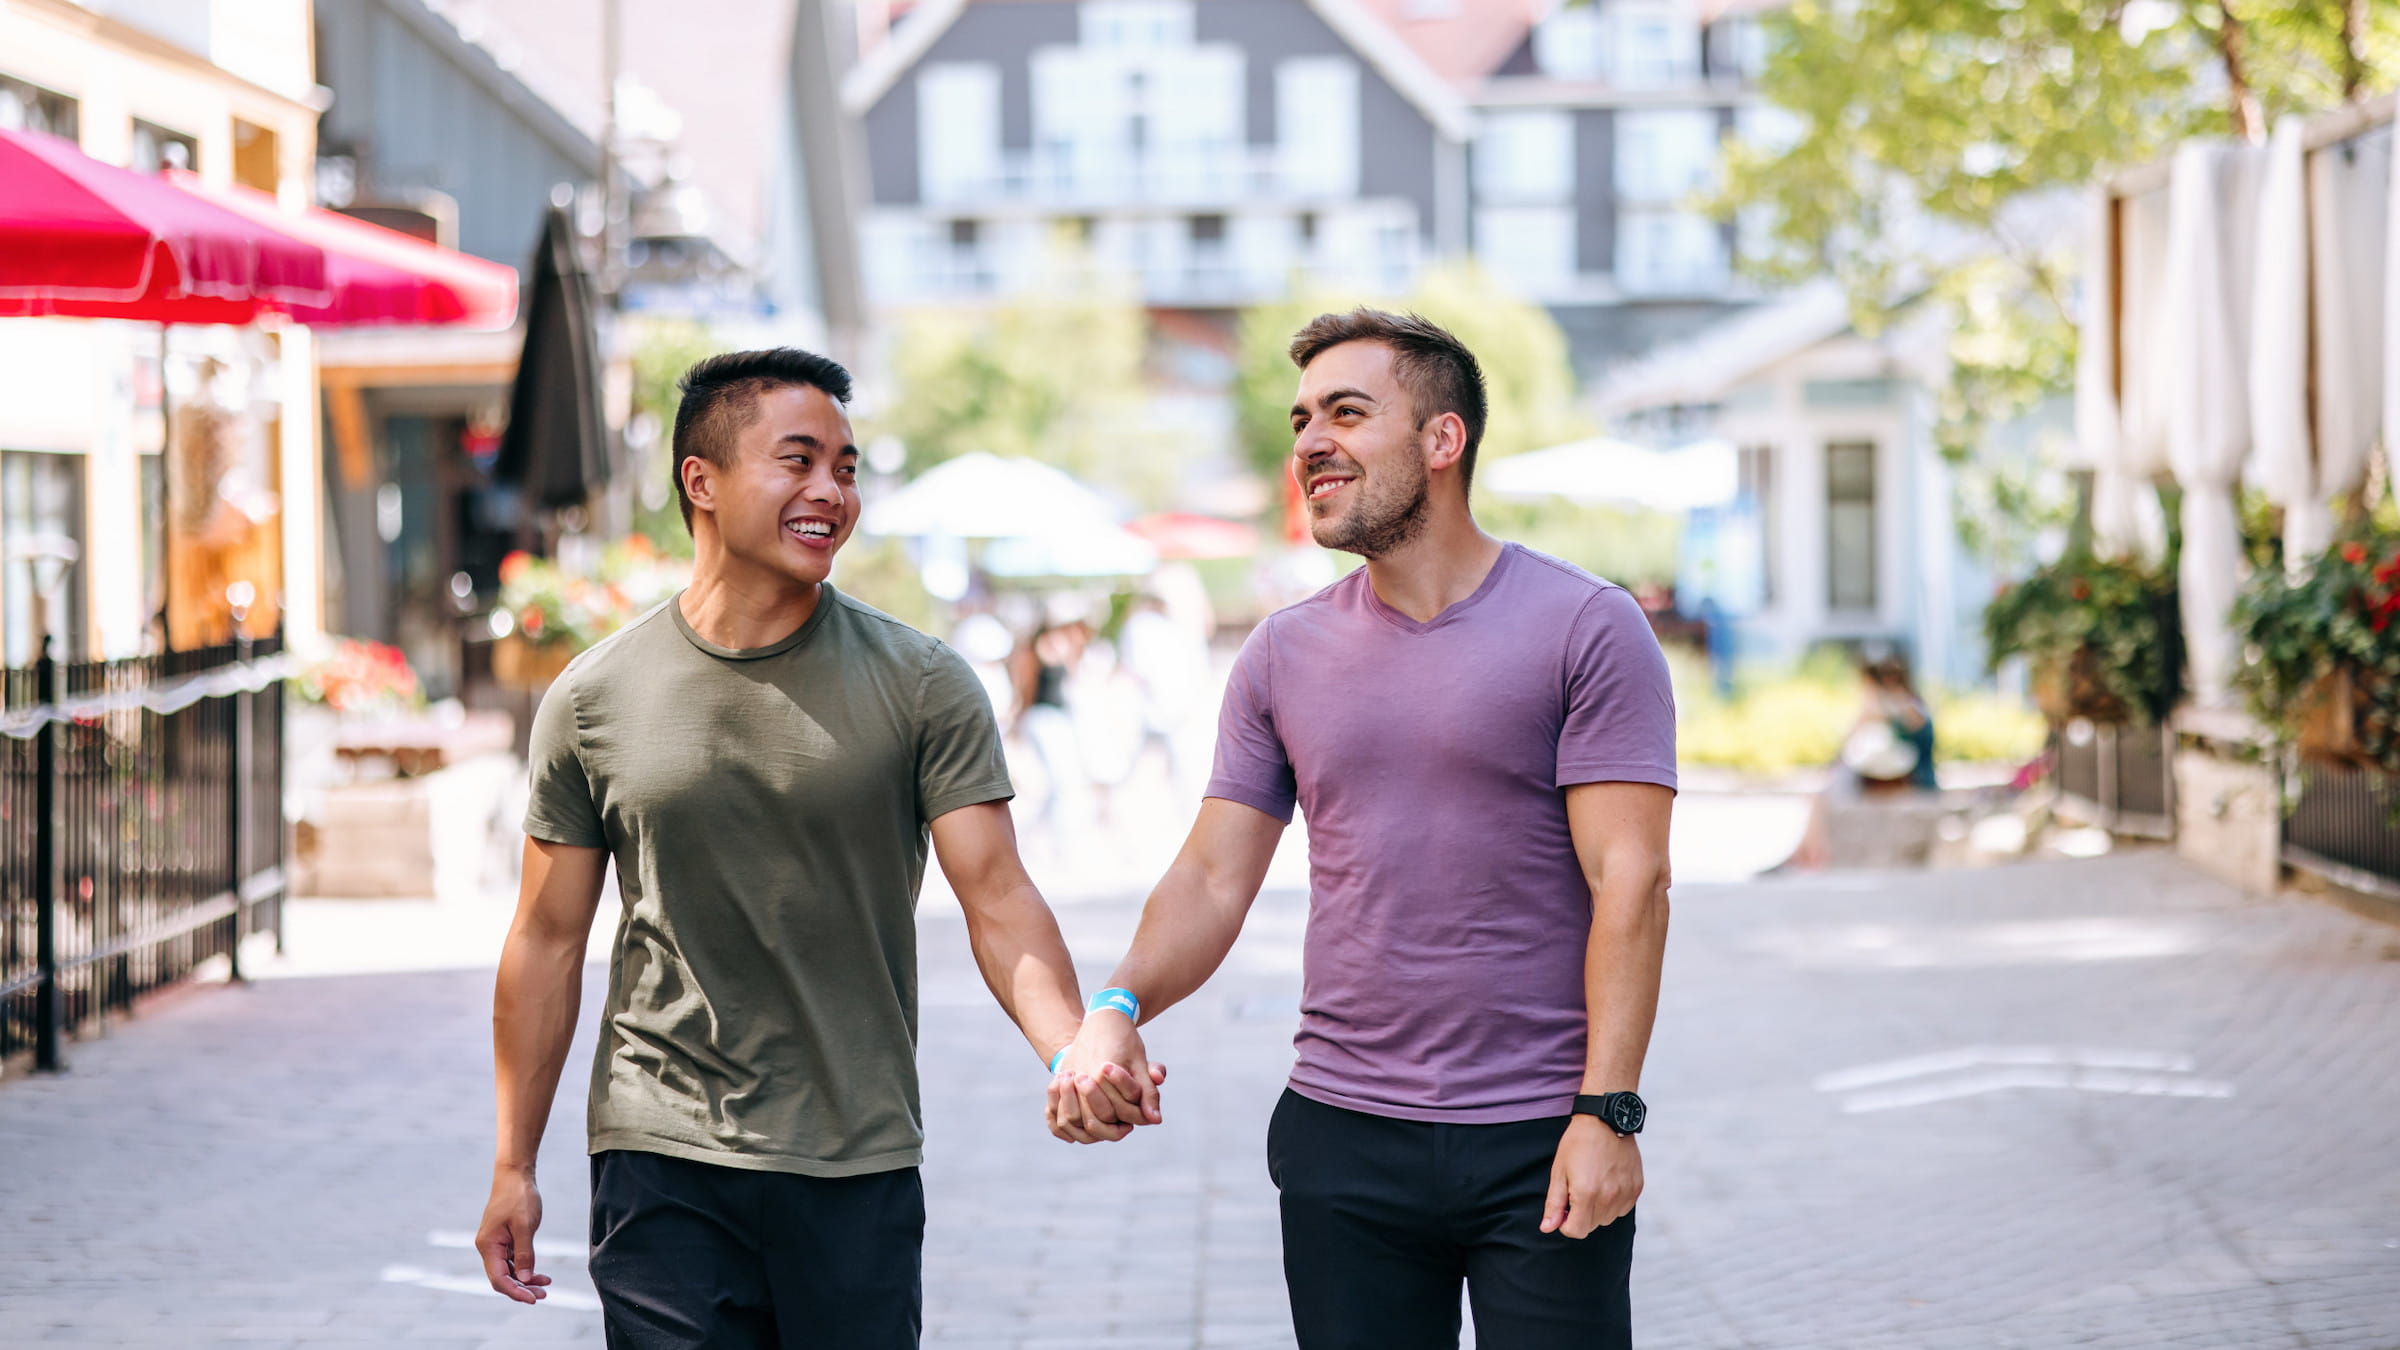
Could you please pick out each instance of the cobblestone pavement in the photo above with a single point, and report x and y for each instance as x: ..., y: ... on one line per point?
x: 2091, y: 1103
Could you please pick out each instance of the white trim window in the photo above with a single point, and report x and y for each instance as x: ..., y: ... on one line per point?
x: 1526, y: 158
x: 1669, y: 252
x: 1136, y: 24
x: 1316, y: 125
x: 1655, y: 44
x: 958, y: 130
x: 1665, y: 155
x: 1531, y: 249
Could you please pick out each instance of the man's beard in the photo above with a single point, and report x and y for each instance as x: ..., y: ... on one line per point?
x: 1382, y: 521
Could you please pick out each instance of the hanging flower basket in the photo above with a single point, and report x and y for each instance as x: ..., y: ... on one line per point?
x: 529, y: 666
x: 2322, y: 653
x: 2327, y: 728
x: 2072, y: 687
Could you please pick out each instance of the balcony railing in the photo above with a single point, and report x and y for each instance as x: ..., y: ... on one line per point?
x: 141, y: 830
x: 1063, y: 179
x: 2117, y: 778
x: 2346, y: 826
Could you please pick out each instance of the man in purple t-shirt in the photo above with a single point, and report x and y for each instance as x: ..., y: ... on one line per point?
x: 1483, y: 740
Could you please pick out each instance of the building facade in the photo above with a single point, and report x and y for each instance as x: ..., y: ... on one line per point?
x: 173, y: 463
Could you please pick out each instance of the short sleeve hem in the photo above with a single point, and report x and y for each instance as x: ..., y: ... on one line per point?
x: 1276, y: 804
x: 1571, y: 775
x: 996, y: 790
x: 551, y: 832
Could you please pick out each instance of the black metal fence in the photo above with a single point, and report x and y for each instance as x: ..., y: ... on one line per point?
x: 2344, y: 826
x: 2116, y: 777
x: 141, y: 830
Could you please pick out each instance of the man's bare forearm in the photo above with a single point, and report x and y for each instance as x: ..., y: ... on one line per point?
x: 1621, y: 966
x: 1026, y: 965
x: 534, y: 1004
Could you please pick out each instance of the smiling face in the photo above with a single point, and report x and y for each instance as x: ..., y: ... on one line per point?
x: 788, y: 498
x: 1358, y: 451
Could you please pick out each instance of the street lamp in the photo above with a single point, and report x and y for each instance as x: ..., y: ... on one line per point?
x: 49, y: 554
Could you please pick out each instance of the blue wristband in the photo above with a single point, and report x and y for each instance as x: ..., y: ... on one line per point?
x: 1122, y: 1000
x: 1061, y: 1056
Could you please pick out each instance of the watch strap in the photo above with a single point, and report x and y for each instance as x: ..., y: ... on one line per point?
x: 1602, y: 1107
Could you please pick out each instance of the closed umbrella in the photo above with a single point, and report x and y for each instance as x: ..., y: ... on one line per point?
x: 2213, y: 219
x: 2349, y: 205
x: 2278, y: 375
x: 555, y: 448
x: 2129, y: 518
x: 87, y: 239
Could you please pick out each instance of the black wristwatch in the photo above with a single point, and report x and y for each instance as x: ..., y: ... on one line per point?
x: 1620, y: 1111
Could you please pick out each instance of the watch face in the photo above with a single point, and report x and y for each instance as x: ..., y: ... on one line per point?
x: 1625, y: 1113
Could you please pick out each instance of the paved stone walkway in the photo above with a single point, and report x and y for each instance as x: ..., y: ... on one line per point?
x: 2097, y: 1103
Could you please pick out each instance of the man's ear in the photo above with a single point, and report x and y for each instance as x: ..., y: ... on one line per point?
x: 1449, y: 433
x: 699, y: 482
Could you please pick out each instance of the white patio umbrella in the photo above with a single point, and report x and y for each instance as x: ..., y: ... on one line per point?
x: 1085, y: 551
x: 2127, y: 516
x: 2213, y: 219
x: 2278, y: 374
x: 980, y: 496
x: 1602, y: 471
x: 2349, y: 193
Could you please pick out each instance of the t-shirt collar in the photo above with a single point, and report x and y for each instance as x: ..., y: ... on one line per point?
x: 826, y: 599
x: 1405, y: 624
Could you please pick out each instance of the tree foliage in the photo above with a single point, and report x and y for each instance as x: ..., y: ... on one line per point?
x: 1055, y: 376
x: 1911, y: 134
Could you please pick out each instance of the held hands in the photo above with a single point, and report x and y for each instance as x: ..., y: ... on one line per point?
x: 1594, y: 1180
x: 505, y: 1238
x: 1105, y: 1084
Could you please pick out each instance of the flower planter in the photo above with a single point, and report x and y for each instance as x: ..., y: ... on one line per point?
x: 2328, y: 726
x: 2069, y: 689
x: 529, y: 666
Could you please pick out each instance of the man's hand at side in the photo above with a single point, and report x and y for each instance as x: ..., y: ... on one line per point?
x: 505, y: 1238
x: 534, y: 1001
x: 1594, y: 1180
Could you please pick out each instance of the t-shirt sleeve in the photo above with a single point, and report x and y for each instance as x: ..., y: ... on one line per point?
x: 1252, y: 767
x: 1620, y: 705
x: 959, y: 759
x: 561, y: 808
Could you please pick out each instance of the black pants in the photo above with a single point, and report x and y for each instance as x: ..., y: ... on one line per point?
x: 1383, y: 1219
x: 689, y: 1255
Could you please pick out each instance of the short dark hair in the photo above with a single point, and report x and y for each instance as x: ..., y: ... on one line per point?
x: 720, y: 399
x: 1437, y: 370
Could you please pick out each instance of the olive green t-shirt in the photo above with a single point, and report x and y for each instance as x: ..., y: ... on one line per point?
x: 767, y: 811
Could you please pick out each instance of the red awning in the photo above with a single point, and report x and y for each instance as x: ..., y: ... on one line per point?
x: 379, y: 276
x: 79, y: 237
x: 1179, y: 534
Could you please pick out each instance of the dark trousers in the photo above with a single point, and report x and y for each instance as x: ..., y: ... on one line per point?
x: 1384, y: 1219
x: 689, y: 1255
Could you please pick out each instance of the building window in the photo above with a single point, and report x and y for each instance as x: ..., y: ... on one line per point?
x: 1850, y: 526
x: 1571, y: 44
x: 29, y: 107
x: 1316, y: 125
x: 256, y: 158
x: 1526, y: 157
x: 958, y: 129
x: 1531, y: 249
x: 41, y: 515
x: 1136, y: 23
x: 1670, y: 253
x: 1666, y: 155
x: 1208, y: 231
x: 156, y: 149
x: 1655, y: 44
x: 1757, y: 488
x: 965, y: 234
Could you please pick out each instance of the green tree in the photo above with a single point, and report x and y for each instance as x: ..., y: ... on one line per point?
x: 1910, y: 126
x: 1056, y: 376
x: 663, y: 349
x: 1524, y: 357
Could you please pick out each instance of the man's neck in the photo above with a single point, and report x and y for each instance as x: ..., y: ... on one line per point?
x: 1440, y: 567
x: 740, y: 607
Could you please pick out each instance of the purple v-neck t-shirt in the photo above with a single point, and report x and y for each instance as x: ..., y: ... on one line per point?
x: 1443, y: 969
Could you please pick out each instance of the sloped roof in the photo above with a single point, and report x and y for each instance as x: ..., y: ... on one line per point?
x: 1376, y: 44
x: 1468, y: 44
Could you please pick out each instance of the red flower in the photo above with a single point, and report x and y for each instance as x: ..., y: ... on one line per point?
x: 2083, y: 590
x: 2382, y: 619
x: 513, y: 566
x: 530, y: 619
x: 2354, y: 552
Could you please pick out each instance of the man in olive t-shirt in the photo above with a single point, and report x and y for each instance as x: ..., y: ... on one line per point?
x: 765, y: 760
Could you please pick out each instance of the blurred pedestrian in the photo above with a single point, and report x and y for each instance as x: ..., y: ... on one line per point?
x: 1889, y: 748
x: 1483, y: 739
x: 1045, y: 665
x: 765, y: 760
